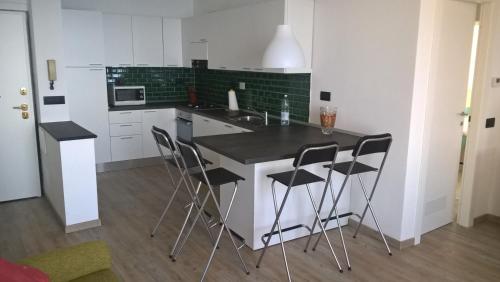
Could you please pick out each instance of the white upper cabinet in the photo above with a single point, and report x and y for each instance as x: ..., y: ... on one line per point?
x: 118, y: 40
x: 237, y: 38
x: 172, y: 43
x: 147, y: 35
x: 194, y: 39
x: 83, y: 38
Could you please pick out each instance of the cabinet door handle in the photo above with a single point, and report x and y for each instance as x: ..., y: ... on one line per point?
x: 222, y: 68
x: 142, y: 65
x: 171, y: 65
x: 228, y: 126
x: 95, y: 69
x: 149, y: 112
x: 125, y: 125
x: 247, y: 68
x: 206, y: 120
x: 95, y: 64
x: 125, y: 138
x: 124, y: 65
x: 125, y: 113
x: 258, y: 69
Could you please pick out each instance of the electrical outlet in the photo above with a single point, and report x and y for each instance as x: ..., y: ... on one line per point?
x: 325, y: 96
x: 242, y: 86
x: 495, y: 82
x: 490, y: 122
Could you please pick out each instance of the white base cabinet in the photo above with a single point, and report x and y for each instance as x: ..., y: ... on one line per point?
x: 131, y: 136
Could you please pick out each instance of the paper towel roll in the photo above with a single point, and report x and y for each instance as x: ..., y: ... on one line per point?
x: 233, y: 103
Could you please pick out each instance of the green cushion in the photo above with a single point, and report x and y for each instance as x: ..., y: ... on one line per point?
x: 100, y: 276
x: 68, y: 264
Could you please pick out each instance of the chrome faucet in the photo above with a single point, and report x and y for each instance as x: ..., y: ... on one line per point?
x: 263, y: 115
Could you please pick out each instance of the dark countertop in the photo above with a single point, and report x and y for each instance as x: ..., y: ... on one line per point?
x: 66, y: 131
x: 273, y: 143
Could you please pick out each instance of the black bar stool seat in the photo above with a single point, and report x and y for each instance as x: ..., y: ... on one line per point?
x: 303, y: 177
x: 356, y: 169
x: 218, y: 176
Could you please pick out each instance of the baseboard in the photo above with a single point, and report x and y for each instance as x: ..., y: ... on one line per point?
x: 82, y: 226
x: 487, y: 217
x: 128, y: 164
x: 374, y: 234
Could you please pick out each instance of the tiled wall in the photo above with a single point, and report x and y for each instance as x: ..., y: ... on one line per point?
x: 263, y: 91
x: 162, y: 84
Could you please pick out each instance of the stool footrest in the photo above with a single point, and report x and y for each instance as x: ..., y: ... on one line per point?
x: 302, y: 226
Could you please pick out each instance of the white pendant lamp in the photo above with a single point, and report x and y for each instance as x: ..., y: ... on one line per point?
x: 284, y: 51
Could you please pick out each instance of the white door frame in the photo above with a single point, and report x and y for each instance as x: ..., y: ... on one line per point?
x: 428, y: 19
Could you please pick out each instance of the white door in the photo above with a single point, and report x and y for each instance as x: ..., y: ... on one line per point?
x: 19, y: 174
x: 147, y: 37
x: 88, y: 106
x: 118, y: 50
x: 451, y: 59
x: 172, y: 43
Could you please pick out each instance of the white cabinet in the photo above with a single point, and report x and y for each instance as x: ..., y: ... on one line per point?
x: 118, y: 40
x: 147, y: 41
x: 172, y: 43
x: 126, y: 147
x: 194, y: 39
x: 130, y: 132
x: 88, y: 105
x: 83, y: 38
x: 237, y: 38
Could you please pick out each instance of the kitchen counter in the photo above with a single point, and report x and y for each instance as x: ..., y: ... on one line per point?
x: 165, y: 105
x: 66, y: 131
x: 273, y: 143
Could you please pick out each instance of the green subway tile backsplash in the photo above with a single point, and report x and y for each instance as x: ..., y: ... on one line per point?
x: 263, y: 91
x: 162, y: 84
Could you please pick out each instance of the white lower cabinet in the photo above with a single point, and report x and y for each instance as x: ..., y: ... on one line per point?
x: 126, y: 147
x: 131, y: 136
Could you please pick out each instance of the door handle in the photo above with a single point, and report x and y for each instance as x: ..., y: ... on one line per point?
x: 22, y: 107
x: 463, y: 114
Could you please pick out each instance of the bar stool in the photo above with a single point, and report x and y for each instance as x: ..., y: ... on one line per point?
x: 367, y: 145
x: 306, y: 155
x: 164, y: 142
x: 212, y: 178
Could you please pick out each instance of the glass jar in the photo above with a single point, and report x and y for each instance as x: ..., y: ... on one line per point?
x: 328, y: 116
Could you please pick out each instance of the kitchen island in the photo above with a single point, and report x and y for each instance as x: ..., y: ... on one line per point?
x: 254, y: 155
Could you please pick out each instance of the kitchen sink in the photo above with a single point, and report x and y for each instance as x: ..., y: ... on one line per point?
x: 257, y: 120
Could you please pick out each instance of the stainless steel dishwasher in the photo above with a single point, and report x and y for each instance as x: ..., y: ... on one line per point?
x: 184, y: 122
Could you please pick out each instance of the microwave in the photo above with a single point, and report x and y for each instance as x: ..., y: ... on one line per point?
x: 127, y: 95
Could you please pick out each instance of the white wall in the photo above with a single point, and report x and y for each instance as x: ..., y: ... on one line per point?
x: 167, y: 8
x: 207, y: 6
x: 364, y: 53
x: 46, y: 43
x: 486, y: 194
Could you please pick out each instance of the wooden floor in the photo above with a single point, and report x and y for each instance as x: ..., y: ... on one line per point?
x: 130, y: 202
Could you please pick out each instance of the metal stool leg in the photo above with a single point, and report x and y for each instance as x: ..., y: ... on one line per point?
x: 335, y: 203
x: 198, y: 214
x: 340, y: 229
x: 224, y: 226
x: 313, y: 226
x: 166, y: 208
x: 368, y: 204
x: 323, y: 229
x: 274, y: 225
x: 279, y: 231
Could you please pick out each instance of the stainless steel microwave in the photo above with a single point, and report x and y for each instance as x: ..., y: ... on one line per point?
x: 128, y: 95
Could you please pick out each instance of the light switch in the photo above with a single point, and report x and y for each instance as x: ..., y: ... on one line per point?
x: 242, y: 86
x: 495, y: 82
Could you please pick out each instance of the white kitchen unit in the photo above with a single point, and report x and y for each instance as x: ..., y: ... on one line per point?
x: 83, y: 38
x: 130, y: 132
x: 118, y: 40
x: 88, y: 105
x: 172, y: 43
x: 147, y: 38
x: 237, y: 38
x: 194, y: 39
x: 70, y: 182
